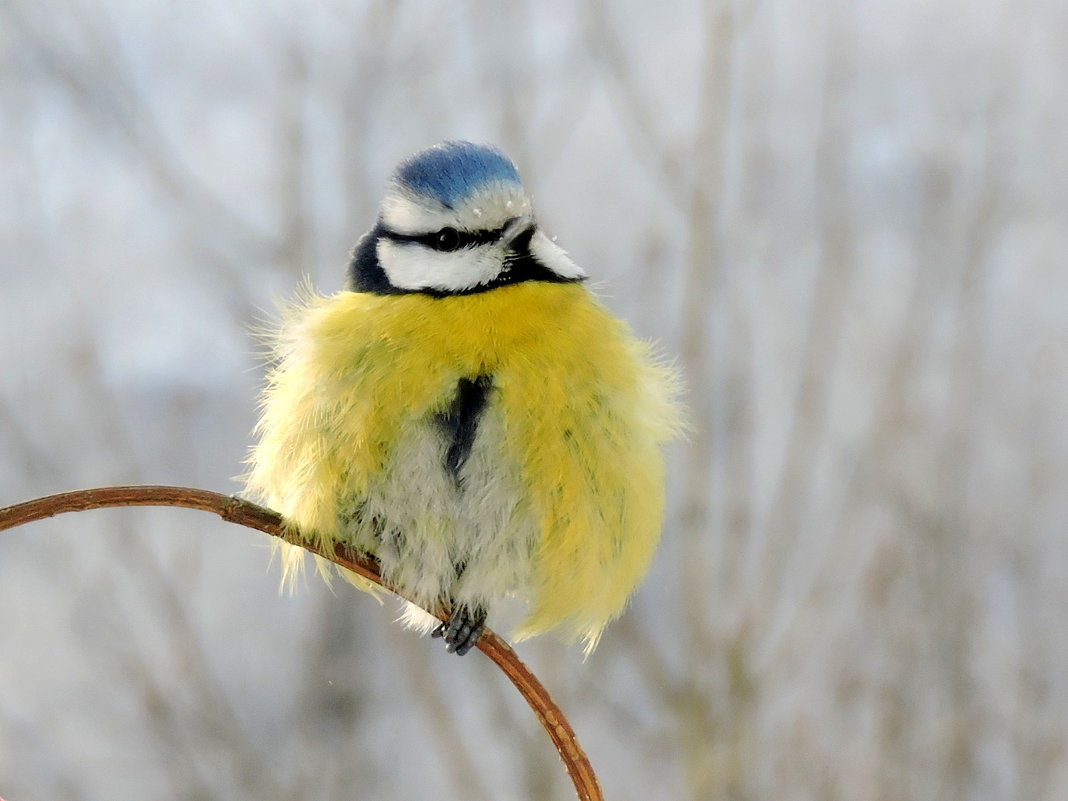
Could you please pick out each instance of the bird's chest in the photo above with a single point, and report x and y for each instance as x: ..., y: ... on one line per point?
x: 447, y: 470
x: 448, y: 476
x: 449, y: 510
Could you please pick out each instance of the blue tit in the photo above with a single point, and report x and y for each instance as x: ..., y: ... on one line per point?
x: 469, y: 413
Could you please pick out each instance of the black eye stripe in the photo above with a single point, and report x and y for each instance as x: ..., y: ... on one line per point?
x: 434, y: 239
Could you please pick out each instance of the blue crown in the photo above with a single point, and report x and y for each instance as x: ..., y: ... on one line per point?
x: 451, y: 171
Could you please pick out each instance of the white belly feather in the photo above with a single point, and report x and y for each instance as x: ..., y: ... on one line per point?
x: 469, y: 541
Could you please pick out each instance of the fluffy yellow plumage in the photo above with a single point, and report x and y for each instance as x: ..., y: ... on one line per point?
x: 583, y: 408
x: 469, y: 413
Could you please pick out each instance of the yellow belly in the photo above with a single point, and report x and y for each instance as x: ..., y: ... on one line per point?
x: 579, y: 408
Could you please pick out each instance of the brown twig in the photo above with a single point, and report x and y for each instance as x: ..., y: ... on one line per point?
x: 245, y: 513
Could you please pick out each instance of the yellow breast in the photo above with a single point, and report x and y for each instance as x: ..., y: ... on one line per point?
x: 583, y: 403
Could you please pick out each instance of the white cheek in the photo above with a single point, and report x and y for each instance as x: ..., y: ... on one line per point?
x: 412, y: 266
x: 554, y: 258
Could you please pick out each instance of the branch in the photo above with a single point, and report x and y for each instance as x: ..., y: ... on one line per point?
x: 245, y: 513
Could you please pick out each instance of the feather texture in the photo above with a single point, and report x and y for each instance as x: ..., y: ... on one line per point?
x: 560, y: 496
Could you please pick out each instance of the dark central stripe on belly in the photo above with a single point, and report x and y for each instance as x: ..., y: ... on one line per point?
x: 460, y: 421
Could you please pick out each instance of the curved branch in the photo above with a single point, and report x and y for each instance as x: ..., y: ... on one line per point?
x: 246, y: 513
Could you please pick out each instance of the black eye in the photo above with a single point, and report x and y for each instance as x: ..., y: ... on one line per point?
x: 447, y: 239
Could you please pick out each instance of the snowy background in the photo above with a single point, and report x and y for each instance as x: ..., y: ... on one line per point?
x: 849, y: 219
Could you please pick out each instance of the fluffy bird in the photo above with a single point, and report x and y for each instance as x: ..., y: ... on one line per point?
x: 469, y: 413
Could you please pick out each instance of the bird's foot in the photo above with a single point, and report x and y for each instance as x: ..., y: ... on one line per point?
x: 462, y: 630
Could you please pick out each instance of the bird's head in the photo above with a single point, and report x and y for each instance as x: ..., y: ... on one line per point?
x: 456, y: 220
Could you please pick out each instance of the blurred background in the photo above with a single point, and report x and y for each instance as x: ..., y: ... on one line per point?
x: 848, y: 219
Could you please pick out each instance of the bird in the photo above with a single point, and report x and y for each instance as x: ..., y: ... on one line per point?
x: 468, y: 412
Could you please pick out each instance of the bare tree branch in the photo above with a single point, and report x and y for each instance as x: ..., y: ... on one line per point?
x: 236, y: 510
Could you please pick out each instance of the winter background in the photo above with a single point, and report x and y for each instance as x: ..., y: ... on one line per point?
x: 848, y: 219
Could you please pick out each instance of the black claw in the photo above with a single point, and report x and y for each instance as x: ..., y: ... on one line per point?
x: 473, y: 636
x: 462, y: 631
